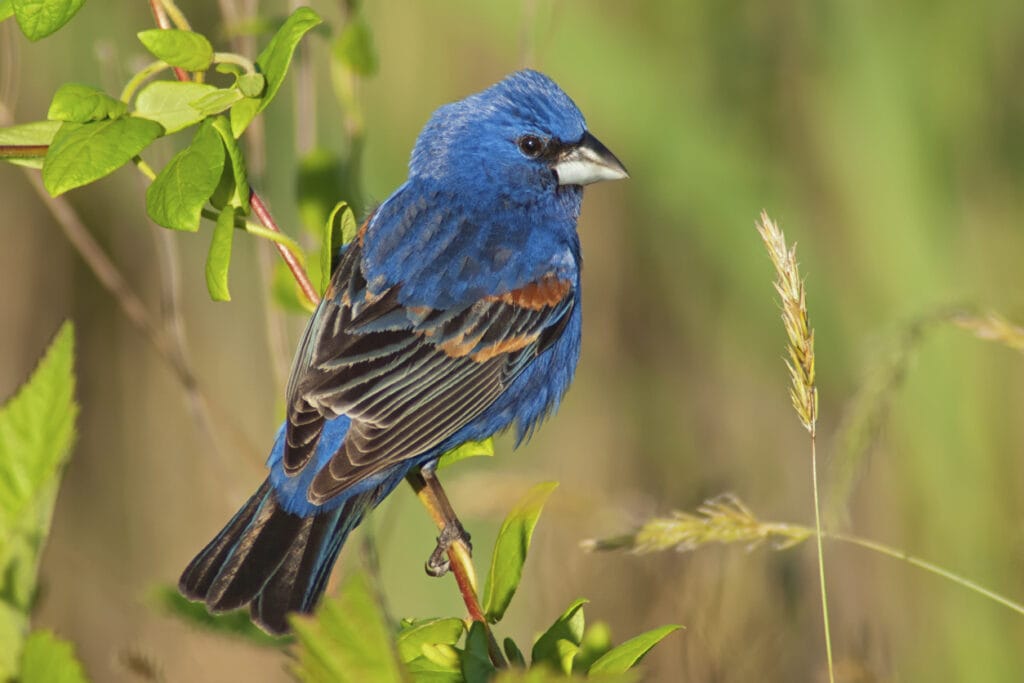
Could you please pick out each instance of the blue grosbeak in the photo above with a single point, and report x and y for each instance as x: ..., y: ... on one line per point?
x: 453, y: 314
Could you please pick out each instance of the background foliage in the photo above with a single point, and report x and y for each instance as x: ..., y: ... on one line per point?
x: 886, y: 141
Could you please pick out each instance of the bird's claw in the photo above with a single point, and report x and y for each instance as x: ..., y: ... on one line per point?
x: 438, y: 562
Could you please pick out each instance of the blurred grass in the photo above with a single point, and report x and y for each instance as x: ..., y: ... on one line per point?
x: 884, y: 139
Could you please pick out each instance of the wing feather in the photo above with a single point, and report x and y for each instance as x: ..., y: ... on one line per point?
x: 408, y: 377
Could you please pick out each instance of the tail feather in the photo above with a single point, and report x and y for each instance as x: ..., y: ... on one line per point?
x: 256, y: 556
x: 197, y: 579
x: 273, y: 560
x: 287, y: 589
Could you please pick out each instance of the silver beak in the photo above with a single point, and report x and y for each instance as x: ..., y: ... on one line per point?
x: 588, y: 161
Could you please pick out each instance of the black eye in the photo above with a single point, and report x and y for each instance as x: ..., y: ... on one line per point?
x: 531, y: 146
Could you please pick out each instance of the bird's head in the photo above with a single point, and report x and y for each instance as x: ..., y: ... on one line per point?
x: 522, y: 134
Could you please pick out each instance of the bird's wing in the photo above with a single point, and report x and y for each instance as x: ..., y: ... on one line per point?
x: 408, y: 377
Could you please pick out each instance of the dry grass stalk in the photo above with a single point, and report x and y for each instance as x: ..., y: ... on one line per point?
x: 790, y: 287
x: 723, y: 519
x: 726, y: 519
x: 991, y: 327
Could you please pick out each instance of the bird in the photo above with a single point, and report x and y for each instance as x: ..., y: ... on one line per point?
x: 453, y: 315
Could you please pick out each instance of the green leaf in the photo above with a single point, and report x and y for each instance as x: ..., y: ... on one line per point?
x: 37, y: 427
x: 333, y: 235
x: 354, y: 48
x: 252, y: 85
x: 219, y: 257
x: 273, y: 63
x: 186, y: 49
x: 423, y: 670
x: 470, y: 449
x: 175, y: 105
x: 442, y: 657
x: 84, y: 152
x: 36, y: 134
x: 6, y: 9
x: 568, y: 627
x: 176, y: 198
x: 514, y: 654
x: 625, y: 656
x: 597, y: 640
x: 236, y: 624
x: 347, y: 639
x: 217, y: 101
x: 476, y: 663
x: 567, y: 652
x: 84, y: 103
x: 240, y: 192
x: 39, y: 18
x: 428, y: 632
x: 48, y: 659
x: 510, y: 551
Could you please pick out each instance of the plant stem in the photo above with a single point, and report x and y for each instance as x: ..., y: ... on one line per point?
x: 232, y: 58
x: 821, y: 557
x: 298, y: 272
x: 144, y: 168
x: 138, y: 79
x: 23, y: 151
x: 925, y: 565
x: 176, y: 15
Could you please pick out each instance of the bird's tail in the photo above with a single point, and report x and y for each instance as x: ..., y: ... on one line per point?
x: 272, y: 560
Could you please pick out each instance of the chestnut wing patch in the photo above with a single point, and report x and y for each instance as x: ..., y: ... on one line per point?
x: 408, y: 377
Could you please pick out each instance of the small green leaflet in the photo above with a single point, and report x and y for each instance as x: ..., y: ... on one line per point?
x: 252, y: 85
x: 84, y: 152
x: 176, y: 198
x: 48, y: 659
x: 625, y: 656
x: 558, y: 645
x: 332, y: 236
x: 412, y: 638
x: 476, y: 663
x: 514, y: 654
x: 175, y: 105
x: 597, y: 640
x: 470, y: 449
x: 186, y: 49
x: 39, y: 18
x: 219, y: 258
x: 217, y: 101
x: 273, y: 63
x: 35, y: 134
x: 6, y: 9
x: 240, y: 194
x: 84, y: 103
x: 510, y: 550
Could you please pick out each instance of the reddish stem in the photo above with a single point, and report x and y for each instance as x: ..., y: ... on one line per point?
x: 476, y: 613
x: 261, y: 211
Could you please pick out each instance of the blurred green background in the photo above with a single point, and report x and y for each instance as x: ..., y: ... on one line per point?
x: 886, y: 139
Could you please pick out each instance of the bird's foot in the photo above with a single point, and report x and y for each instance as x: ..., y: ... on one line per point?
x: 438, y: 562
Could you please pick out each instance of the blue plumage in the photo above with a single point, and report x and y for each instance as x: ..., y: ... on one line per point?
x: 453, y: 315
